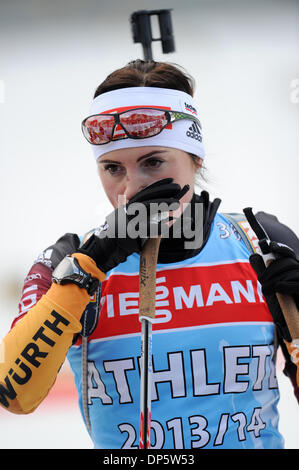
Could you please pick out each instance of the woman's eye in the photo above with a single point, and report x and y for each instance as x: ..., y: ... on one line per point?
x: 112, y: 168
x: 153, y: 162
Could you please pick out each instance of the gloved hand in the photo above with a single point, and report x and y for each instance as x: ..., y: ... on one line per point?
x: 119, y: 238
x: 281, y: 276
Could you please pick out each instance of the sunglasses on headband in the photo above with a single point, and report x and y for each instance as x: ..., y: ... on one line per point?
x: 137, y: 123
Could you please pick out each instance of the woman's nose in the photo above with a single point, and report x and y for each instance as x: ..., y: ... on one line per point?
x: 133, y: 185
x: 132, y: 189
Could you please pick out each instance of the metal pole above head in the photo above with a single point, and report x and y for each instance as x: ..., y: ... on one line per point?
x: 142, y: 31
x: 147, y: 52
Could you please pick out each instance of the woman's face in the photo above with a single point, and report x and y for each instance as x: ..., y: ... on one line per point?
x: 125, y: 172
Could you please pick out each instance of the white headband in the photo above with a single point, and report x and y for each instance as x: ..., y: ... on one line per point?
x: 183, y: 135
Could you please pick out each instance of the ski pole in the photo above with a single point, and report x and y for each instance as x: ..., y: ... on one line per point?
x: 142, y: 33
x: 286, y: 302
x: 147, y: 307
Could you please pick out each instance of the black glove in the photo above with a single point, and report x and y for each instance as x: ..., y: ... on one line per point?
x: 281, y: 276
x: 116, y: 240
x: 65, y: 245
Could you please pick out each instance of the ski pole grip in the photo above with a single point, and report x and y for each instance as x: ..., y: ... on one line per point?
x: 147, y: 278
x: 289, y: 310
x: 290, y: 313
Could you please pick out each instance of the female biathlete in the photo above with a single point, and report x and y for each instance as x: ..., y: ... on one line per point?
x: 218, y: 324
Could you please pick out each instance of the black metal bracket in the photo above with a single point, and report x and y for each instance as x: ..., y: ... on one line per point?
x: 142, y: 31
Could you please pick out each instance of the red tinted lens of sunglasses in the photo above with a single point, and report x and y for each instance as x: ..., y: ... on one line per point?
x: 98, y: 129
x: 137, y: 124
x: 143, y: 123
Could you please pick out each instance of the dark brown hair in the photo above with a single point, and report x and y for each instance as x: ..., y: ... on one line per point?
x: 148, y: 73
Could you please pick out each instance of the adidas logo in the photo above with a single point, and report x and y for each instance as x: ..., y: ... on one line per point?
x: 194, y: 132
x: 45, y: 258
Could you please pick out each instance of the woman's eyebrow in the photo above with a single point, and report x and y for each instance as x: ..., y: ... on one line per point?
x: 150, y: 154
x: 109, y: 161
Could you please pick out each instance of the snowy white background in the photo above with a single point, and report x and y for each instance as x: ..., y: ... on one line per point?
x: 245, y: 58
